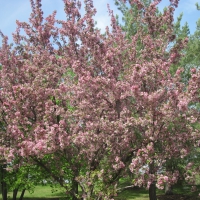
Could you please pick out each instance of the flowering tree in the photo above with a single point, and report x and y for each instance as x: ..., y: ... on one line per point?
x: 130, y: 25
x: 88, y: 107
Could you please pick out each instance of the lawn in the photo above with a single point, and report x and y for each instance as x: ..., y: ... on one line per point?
x: 46, y: 192
x: 42, y: 191
x: 134, y: 194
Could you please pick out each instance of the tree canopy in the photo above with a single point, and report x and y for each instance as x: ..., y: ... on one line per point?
x: 91, y: 108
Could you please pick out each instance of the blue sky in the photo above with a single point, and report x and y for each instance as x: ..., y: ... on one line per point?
x: 12, y: 10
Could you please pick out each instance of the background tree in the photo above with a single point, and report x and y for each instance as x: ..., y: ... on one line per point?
x: 191, y: 53
x: 129, y: 14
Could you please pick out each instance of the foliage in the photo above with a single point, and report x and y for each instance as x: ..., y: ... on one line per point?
x: 129, y: 14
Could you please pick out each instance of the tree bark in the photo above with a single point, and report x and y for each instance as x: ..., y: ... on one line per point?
x: 22, y: 194
x: 15, y: 191
x: 152, y: 191
x: 1, y: 179
x: 152, y: 188
x: 74, y: 189
x: 4, y: 191
x: 168, y: 189
x: 3, y: 183
x: 169, y: 167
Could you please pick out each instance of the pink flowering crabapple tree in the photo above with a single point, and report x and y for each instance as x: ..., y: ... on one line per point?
x: 88, y: 108
x: 130, y: 27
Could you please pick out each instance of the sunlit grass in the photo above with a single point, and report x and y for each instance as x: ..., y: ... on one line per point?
x: 47, y: 192
x: 41, y: 192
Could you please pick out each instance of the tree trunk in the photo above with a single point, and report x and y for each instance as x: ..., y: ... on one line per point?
x: 1, y: 177
x: 0, y: 186
x: 152, y: 188
x: 22, y: 194
x: 3, y: 183
x: 15, y: 191
x: 152, y: 191
x: 74, y: 189
x: 169, y: 167
x: 4, y: 191
x: 168, y: 189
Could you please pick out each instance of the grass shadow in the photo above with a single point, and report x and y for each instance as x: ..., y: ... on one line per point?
x: 133, y: 193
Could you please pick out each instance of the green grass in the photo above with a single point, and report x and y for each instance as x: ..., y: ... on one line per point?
x: 133, y: 194
x: 142, y: 194
x: 41, y: 192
